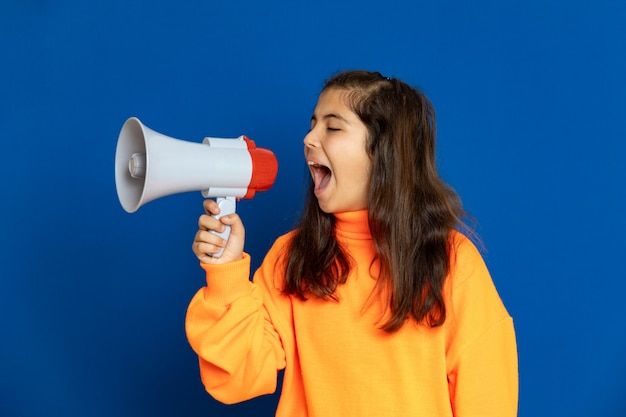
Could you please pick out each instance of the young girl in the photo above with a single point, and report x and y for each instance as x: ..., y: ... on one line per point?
x: 375, y: 305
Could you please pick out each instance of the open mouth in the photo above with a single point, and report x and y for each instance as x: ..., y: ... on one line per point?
x: 321, y: 175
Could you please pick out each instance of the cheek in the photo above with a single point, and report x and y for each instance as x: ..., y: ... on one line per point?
x: 360, y: 176
x: 364, y: 167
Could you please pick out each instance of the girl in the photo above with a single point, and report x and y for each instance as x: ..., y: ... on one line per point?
x: 375, y: 305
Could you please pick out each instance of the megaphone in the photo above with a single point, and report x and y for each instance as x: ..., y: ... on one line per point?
x: 150, y: 165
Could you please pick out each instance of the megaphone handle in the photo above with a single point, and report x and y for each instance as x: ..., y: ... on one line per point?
x: 227, y: 205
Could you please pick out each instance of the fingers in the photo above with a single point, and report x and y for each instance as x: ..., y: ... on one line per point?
x: 211, y: 207
x: 209, y: 222
x: 207, y: 243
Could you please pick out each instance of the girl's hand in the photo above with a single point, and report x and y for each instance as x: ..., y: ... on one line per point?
x: 206, y: 243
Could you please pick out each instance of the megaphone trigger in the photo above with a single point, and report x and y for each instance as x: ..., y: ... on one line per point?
x: 227, y: 206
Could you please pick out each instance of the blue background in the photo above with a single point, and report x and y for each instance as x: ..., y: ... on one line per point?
x: 531, y: 116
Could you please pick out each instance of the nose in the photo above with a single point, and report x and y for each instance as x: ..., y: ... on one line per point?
x: 311, y: 140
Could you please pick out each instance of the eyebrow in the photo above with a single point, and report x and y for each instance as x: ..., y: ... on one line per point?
x: 331, y: 116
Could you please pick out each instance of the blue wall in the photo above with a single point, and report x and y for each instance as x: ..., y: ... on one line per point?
x: 530, y: 100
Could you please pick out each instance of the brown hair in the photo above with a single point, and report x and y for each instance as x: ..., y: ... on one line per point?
x: 411, y: 209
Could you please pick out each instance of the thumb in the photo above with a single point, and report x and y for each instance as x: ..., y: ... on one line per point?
x: 235, y: 244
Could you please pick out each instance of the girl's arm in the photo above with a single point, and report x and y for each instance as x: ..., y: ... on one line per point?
x: 227, y: 325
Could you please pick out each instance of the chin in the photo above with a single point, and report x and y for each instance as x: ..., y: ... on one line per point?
x: 325, y: 209
x: 328, y: 209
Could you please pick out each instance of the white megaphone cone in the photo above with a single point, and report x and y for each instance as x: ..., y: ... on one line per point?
x: 149, y: 165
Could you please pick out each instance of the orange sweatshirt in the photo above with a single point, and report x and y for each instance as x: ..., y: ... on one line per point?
x: 336, y: 360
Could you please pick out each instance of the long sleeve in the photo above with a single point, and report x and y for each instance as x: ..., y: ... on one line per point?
x: 228, y: 327
x: 482, y: 355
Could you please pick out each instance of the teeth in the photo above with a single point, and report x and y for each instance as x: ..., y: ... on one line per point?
x: 315, y: 165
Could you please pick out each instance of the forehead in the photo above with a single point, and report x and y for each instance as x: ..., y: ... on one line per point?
x: 334, y: 101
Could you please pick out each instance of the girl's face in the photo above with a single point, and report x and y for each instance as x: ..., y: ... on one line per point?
x: 334, y: 149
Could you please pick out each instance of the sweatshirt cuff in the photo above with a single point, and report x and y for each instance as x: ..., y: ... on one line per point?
x: 227, y: 282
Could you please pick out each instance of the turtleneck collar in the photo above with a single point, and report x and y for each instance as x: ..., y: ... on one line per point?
x: 353, y: 225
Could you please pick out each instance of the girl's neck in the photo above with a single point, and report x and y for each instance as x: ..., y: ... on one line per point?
x: 353, y: 225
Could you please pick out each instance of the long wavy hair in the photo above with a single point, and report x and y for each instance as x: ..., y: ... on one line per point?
x: 411, y: 210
